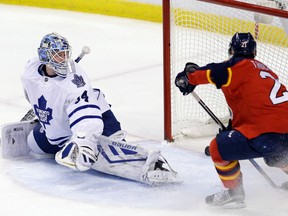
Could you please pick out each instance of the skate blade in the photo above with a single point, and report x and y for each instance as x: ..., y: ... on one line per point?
x: 234, y: 205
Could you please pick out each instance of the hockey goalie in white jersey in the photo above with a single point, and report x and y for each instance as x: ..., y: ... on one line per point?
x: 75, y: 123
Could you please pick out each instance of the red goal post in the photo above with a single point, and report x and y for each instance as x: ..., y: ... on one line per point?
x: 200, y: 32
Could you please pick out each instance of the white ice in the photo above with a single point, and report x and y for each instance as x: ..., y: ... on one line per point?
x: 126, y: 63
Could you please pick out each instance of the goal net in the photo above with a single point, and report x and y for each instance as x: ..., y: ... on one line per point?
x: 200, y: 32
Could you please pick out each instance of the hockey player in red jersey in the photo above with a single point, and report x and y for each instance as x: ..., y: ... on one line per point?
x: 259, y: 106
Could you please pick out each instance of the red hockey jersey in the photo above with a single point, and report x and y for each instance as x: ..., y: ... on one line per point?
x: 259, y: 102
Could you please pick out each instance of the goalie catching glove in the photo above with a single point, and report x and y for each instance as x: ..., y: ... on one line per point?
x: 78, y: 154
x: 181, y: 80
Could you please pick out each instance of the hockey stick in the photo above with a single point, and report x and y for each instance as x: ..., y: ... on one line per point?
x: 85, y: 50
x: 30, y: 115
x: 254, y: 163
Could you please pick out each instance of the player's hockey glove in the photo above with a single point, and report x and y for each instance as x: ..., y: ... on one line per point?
x: 226, y: 128
x: 181, y: 80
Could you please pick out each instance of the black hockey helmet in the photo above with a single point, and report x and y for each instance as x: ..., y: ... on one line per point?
x: 242, y: 44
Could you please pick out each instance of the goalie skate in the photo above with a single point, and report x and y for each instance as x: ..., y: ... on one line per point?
x: 160, y: 175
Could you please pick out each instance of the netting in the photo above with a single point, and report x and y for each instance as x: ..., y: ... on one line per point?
x: 200, y: 33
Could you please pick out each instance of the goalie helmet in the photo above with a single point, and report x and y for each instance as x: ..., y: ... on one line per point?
x: 55, y: 52
x: 242, y: 44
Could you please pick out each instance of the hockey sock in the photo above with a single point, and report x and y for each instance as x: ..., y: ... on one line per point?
x: 229, y: 174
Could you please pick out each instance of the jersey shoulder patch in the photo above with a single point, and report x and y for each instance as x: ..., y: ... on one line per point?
x: 78, y: 81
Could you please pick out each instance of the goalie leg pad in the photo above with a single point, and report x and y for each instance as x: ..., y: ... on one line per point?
x: 119, y: 158
x: 14, y: 138
x: 119, y: 135
x: 133, y: 162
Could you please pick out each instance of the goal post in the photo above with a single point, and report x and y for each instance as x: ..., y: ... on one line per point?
x: 199, y: 31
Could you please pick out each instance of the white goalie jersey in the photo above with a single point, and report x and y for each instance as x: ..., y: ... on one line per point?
x: 64, y: 106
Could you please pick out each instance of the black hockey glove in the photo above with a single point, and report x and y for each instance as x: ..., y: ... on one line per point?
x: 190, y: 67
x: 181, y: 80
x: 226, y: 128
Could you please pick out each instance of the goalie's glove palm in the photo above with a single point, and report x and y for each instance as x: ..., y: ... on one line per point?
x: 181, y: 80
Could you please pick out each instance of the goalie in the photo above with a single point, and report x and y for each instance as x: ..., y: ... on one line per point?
x: 75, y: 123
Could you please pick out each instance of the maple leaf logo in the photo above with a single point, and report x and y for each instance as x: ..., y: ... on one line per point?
x: 78, y: 81
x: 44, y: 114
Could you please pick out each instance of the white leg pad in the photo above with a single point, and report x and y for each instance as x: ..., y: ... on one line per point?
x: 131, y: 161
x: 120, y: 158
x: 14, y: 138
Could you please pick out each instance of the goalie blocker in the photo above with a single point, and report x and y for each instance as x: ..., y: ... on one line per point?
x: 112, y: 155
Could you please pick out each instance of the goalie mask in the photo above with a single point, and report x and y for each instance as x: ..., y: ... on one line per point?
x: 55, y: 52
x: 242, y: 44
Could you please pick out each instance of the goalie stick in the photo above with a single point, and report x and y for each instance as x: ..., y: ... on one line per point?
x: 30, y: 115
x: 284, y: 186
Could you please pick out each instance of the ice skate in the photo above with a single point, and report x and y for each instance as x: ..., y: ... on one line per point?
x: 159, y: 165
x: 229, y: 198
x: 159, y: 171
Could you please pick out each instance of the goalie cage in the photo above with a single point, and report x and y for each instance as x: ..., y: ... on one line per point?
x: 200, y: 32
